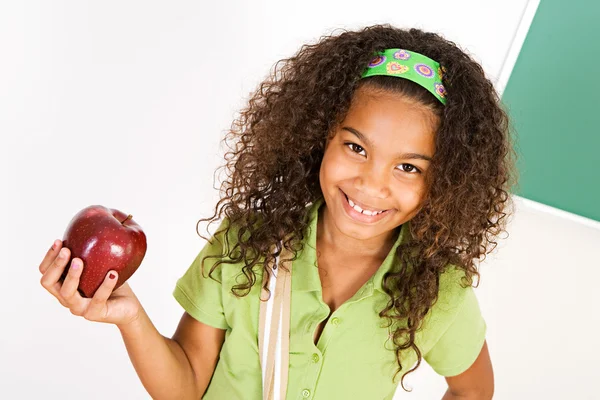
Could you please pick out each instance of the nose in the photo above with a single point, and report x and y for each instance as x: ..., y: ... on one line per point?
x: 373, y: 182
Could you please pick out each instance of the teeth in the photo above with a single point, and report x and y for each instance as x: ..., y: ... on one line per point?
x: 360, y: 210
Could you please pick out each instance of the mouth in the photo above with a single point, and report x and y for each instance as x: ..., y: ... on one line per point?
x: 360, y: 215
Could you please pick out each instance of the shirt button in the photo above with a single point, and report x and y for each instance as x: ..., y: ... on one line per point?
x: 335, y: 321
x: 306, y: 393
x: 315, y: 358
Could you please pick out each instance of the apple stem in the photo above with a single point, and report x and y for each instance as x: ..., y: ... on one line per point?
x: 126, y: 219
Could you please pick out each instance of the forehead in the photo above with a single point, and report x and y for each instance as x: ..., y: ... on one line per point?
x: 392, y: 120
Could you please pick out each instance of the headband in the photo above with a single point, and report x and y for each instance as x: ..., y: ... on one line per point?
x: 409, y: 65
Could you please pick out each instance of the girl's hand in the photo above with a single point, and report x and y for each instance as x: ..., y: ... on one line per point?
x: 120, y: 307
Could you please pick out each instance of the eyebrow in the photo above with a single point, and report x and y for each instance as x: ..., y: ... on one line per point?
x: 410, y: 156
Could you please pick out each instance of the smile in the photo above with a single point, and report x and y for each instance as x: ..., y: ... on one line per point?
x: 360, y: 214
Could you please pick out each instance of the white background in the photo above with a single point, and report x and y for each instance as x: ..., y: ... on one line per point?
x: 124, y: 103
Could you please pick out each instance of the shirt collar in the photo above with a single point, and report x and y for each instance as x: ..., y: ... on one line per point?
x: 305, y: 275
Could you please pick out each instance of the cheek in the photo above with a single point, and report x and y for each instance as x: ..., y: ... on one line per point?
x: 409, y: 193
x: 334, y: 166
x: 414, y: 197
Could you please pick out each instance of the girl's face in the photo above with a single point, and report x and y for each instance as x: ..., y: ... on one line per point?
x: 378, y: 160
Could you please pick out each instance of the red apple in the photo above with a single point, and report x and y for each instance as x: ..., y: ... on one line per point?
x: 105, y: 239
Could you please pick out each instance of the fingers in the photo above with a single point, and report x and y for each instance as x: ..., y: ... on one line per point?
x: 68, y: 291
x: 71, y: 282
x: 97, y: 309
x: 54, y: 271
x: 50, y: 256
x: 65, y: 292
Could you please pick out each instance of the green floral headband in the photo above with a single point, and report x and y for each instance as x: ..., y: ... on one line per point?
x: 409, y: 65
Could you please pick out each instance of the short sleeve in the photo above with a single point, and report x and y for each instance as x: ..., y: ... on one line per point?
x: 458, y: 347
x: 200, y: 295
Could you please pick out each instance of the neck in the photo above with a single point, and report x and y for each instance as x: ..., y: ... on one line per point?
x: 344, y: 247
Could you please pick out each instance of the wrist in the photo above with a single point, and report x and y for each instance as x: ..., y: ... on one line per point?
x: 134, y: 325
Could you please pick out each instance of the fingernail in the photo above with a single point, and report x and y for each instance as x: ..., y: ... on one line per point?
x: 111, y: 276
x: 63, y: 253
x: 75, y: 264
x: 53, y: 245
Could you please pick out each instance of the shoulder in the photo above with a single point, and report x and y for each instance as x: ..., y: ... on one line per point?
x: 216, y: 253
x: 225, y: 251
x: 225, y: 235
x: 453, y: 289
x: 225, y: 238
x: 455, y: 297
x: 454, y: 328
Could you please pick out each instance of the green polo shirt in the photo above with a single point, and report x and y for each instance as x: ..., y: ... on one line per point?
x: 354, y: 357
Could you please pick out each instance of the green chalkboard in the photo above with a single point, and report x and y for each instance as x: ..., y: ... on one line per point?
x: 553, y: 98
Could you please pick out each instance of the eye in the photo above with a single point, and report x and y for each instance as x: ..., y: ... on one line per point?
x: 357, y: 149
x: 354, y: 147
x: 411, y: 169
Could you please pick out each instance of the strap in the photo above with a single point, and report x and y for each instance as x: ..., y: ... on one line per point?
x: 284, y: 350
x: 273, y: 331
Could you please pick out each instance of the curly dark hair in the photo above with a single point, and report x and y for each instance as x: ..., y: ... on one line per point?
x: 277, y: 144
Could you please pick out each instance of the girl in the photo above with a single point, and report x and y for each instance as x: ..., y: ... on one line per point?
x: 381, y: 160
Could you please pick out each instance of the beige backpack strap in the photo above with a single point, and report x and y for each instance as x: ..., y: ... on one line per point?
x: 285, y: 326
x: 273, y: 331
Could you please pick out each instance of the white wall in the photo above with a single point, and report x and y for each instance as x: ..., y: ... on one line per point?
x: 123, y: 103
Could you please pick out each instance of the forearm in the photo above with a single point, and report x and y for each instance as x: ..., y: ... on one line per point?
x: 160, y: 362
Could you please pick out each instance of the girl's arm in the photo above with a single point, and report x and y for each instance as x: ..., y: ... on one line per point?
x: 476, y: 383
x: 178, y: 368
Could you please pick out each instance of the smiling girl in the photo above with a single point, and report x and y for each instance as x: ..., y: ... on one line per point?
x: 381, y: 160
